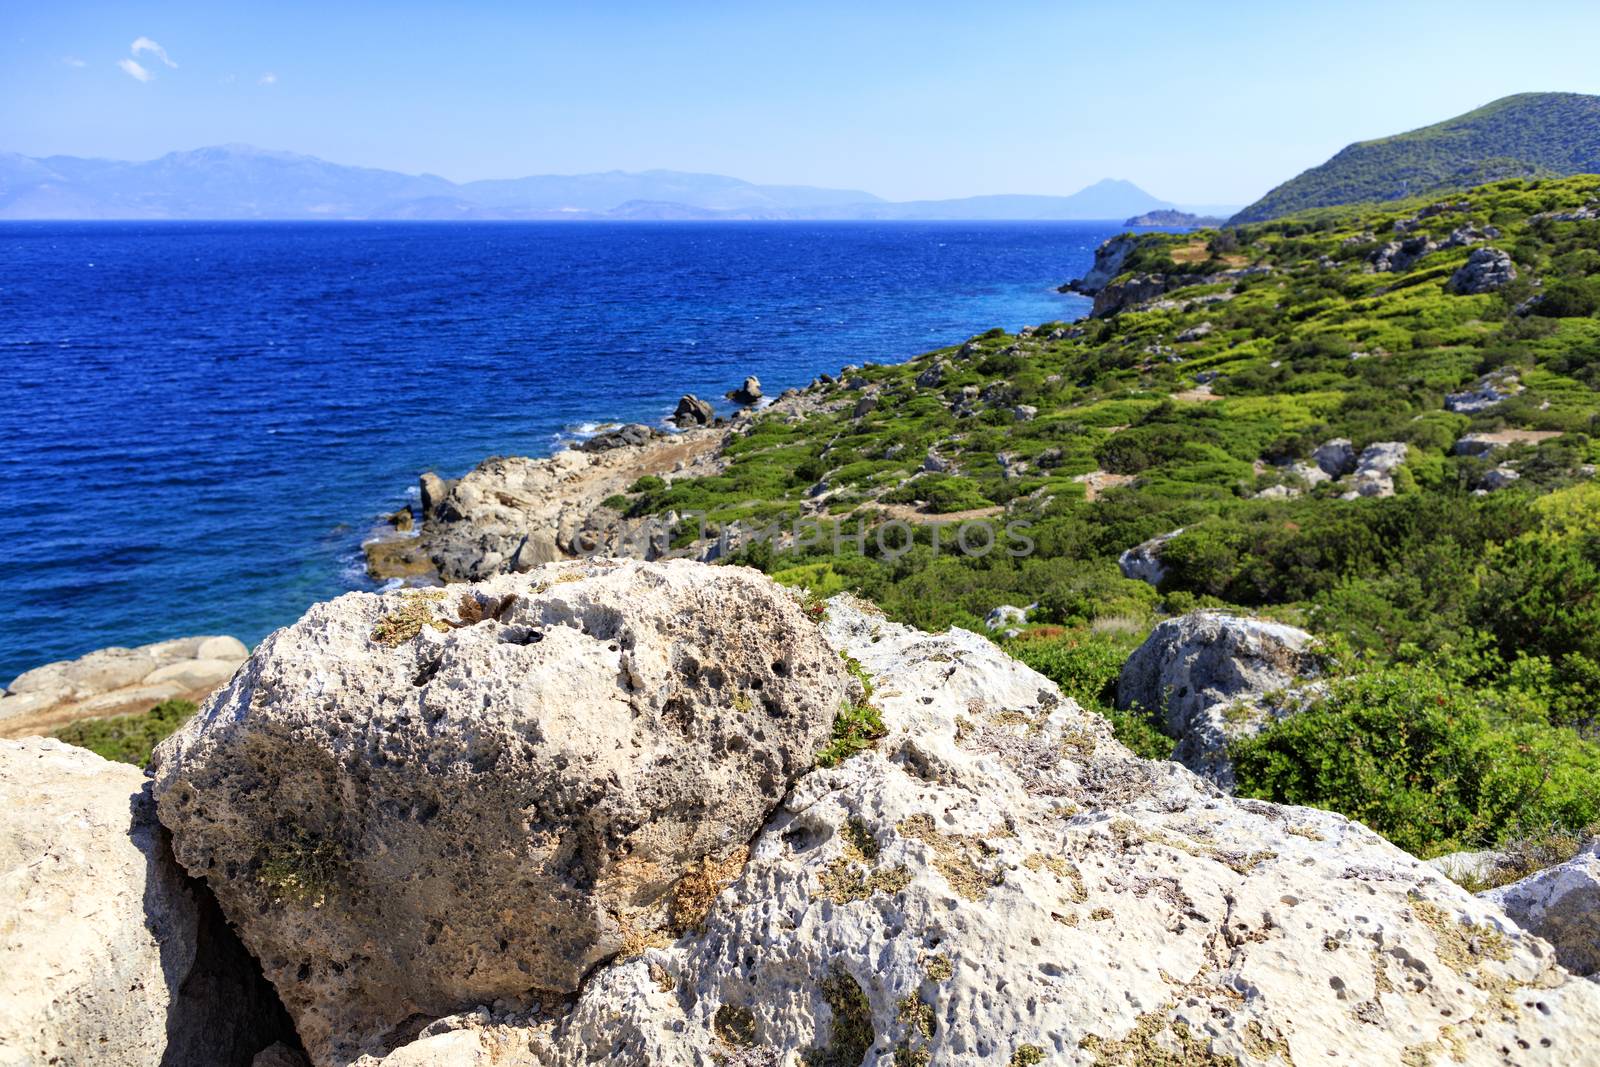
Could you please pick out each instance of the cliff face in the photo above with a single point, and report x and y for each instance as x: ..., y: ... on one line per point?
x: 1108, y: 261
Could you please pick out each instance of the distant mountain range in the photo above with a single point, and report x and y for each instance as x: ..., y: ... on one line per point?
x: 1522, y: 136
x: 241, y: 182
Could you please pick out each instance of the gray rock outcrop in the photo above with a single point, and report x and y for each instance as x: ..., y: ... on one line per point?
x: 692, y: 411
x: 108, y: 953
x: 1108, y: 261
x: 1486, y: 270
x: 1562, y: 905
x: 510, y: 514
x: 417, y: 803
x: 1335, y: 458
x: 999, y: 882
x: 1496, y: 479
x: 1490, y: 390
x: 1008, y: 619
x: 1375, y: 470
x: 1143, y: 563
x: 1207, y: 675
x: 632, y: 435
x: 1398, y: 256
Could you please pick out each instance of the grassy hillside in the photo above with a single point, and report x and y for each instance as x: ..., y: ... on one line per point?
x: 1466, y: 621
x: 1523, y: 136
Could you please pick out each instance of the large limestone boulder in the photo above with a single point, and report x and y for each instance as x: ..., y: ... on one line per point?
x: 108, y: 953
x: 1207, y: 674
x: 1335, y: 458
x: 1000, y: 882
x: 416, y: 803
x: 692, y: 411
x: 747, y: 393
x: 1561, y: 905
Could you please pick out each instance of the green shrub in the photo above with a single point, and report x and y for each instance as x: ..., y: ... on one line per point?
x: 942, y: 494
x: 1086, y: 665
x: 1540, y: 595
x: 1569, y: 299
x: 1429, y: 764
x: 128, y: 738
x: 648, y: 483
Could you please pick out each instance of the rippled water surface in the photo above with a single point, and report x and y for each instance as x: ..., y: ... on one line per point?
x: 200, y: 422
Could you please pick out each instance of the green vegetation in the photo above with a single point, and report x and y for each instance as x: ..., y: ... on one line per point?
x: 852, y: 1031
x: 1429, y: 763
x: 128, y: 738
x: 1524, y: 136
x: 858, y: 725
x: 1085, y: 664
x: 1075, y: 443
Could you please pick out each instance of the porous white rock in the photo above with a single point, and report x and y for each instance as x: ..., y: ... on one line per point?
x: 108, y: 954
x: 414, y: 803
x: 1207, y: 674
x: 1001, y: 882
x: 1562, y: 905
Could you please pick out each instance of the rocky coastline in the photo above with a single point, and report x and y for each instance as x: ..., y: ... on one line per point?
x: 510, y: 514
x: 496, y: 847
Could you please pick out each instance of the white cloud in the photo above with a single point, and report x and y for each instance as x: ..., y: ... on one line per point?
x: 145, y: 44
x: 268, y: 78
x: 73, y: 61
x: 134, y: 71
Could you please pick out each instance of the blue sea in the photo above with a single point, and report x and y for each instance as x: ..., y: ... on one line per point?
x: 202, y: 421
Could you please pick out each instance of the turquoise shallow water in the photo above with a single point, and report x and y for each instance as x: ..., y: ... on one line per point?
x: 203, y: 420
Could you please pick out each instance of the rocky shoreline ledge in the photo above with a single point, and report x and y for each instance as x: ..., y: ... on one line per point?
x: 573, y: 816
x: 510, y: 514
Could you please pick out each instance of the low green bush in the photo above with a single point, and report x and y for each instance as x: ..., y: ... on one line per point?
x: 648, y: 483
x: 1430, y: 764
x: 1086, y: 665
x: 129, y: 738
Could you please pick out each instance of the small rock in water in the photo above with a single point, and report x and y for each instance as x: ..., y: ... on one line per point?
x: 747, y: 393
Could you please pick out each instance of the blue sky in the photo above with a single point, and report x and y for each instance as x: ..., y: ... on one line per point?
x: 1196, y: 102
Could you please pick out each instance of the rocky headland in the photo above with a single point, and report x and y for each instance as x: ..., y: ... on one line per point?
x: 585, y: 803
x: 510, y: 514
